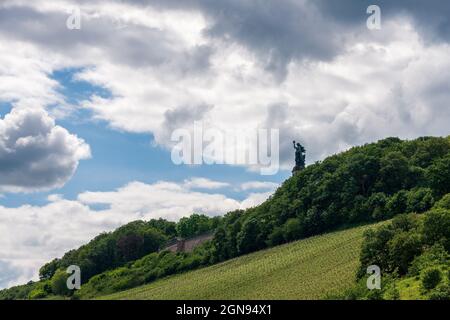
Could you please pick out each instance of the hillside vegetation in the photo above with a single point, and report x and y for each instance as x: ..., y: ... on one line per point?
x: 413, y: 252
x: 305, y: 269
x: 365, y: 184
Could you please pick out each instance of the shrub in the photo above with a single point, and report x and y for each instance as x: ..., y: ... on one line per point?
x: 436, y: 255
x: 292, y: 229
x: 37, y: 293
x: 276, y: 237
x: 442, y: 292
x: 59, y: 283
x: 431, y: 278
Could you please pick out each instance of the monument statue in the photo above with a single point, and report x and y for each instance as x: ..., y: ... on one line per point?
x: 299, y: 157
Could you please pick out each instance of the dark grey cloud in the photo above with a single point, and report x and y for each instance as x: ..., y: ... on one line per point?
x: 129, y: 44
x: 277, y: 31
x: 285, y: 30
x: 182, y: 117
x: 34, y: 153
x: 432, y: 17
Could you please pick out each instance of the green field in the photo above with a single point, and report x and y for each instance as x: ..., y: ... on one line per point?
x: 306, y: 269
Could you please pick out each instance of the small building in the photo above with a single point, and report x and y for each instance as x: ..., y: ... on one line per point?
x: 187, y: 245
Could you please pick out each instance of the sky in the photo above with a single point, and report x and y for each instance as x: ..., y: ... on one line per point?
x: 87, y: 110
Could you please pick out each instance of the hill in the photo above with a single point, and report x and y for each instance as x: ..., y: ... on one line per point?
x: 305, y: 269
x: 366, y: 184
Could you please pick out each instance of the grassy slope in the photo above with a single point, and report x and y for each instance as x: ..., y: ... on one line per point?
x: 306, y: 269
x: 409, y: 289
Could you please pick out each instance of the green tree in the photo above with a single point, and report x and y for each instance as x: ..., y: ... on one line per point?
x: 59, y: 283
x: 420, y: 200
x: 397, y: 204
x: 438, y: 176
x: 376, y: 206
x: 166, y: 227
x: 194, y: 225
x: 394, y: 172
x: 437, y: 227
x: 374, y: 250
x: 248, y: 239
x: 431, y: 278
x: 292, y: 229
x: 221, y: 244
x: 444, y: 203
x: 403, y: 248
x: 48, y: 270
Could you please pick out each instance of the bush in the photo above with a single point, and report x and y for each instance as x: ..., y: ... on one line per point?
x: 442, y: 292
x: 438, y: 175
x: 403, y: 248
x: 276, y: 237
x: 434, y: 256
x: 37, y: 293
x: 292, y: 229
x: 59, y: 283
x: 40, y: 290
x: 391, y: 246
x: 444, y: 203
x: 190, y: 262
x: 431, y: 278
x: 127, y: 282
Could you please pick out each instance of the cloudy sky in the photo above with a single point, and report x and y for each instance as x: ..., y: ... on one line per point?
x: 86, y: 114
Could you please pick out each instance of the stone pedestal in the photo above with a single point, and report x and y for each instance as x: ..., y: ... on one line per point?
x: 296, y: 169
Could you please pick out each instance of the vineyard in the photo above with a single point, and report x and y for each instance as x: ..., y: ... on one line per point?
x: 306, y: 269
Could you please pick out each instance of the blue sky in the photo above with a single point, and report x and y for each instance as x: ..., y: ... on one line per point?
x: 119, y: 157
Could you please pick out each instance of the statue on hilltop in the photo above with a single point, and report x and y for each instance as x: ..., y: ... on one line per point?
x: 300, y: 156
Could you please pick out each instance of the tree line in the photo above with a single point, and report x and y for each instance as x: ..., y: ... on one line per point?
x: 365, y: 184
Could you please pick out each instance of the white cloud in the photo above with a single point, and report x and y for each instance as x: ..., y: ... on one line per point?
x: 163, y: 199
x: 36, y: 154
x: 33, y: 235
x: 255, y: 199
x: 204, y: 183
x: 330, y: 88
x: 24, y: 74
x: 370, y: 86
x: 258, y: 185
